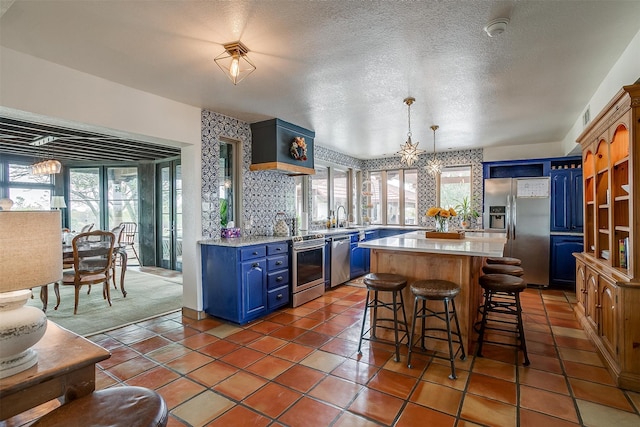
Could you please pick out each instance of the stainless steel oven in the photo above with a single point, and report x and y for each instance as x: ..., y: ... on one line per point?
x: 308, y: 268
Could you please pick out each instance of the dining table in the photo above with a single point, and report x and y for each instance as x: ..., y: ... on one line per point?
x: 67, y: 253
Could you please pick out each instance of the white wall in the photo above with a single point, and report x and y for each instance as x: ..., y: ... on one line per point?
x: 517, y: 152
x: 624, y: 72
x: 31, y: 88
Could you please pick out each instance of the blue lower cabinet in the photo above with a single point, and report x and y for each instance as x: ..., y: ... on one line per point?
x: 327, y: 263
x: 243, y: 284
x: 563, y: 264
x: 254, y: 298
x: 357, y: 263
x: 278, y: 297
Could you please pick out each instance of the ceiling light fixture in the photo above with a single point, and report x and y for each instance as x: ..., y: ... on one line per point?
x: 409, y: 151
x: 496, y: 27
x: 45, y: 167
x: 433, y: 165
x: 234, y: 62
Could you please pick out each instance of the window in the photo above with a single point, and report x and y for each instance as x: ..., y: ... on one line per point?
x: 376, y: 203
x: 228, y: 183
x: 320, y: 194
x: 410, y: 197
x: 122, y: 195
x: 455, y: 185
x: 340, y: 193
x: 28, y: 191
x: 393, y: 197
x: 84, y: 198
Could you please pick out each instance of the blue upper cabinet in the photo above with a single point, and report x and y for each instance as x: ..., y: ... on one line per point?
x: 566, y: 200
x: 273, y: 148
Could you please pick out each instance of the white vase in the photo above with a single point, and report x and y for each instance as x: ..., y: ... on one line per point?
x: 20, y: 328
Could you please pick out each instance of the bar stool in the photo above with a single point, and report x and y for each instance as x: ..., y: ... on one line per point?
x: 511, y: 270
x: 504, y: 260
x: 436, y: 290
x: 118, y: 406
x: 384, y: 282
x: 502, y: 296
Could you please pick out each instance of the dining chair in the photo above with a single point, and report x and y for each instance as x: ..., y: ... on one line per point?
x: 86, y: 228
x: 92, y: 259
x: 119, y: 255
x: 128, y: 238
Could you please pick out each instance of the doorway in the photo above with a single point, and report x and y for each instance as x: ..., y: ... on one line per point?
x: 169, y: 221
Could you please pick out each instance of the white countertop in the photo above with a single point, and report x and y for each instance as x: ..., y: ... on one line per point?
x: 474, y: 244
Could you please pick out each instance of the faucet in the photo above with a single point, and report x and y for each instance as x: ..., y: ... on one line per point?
x: 338, y: 215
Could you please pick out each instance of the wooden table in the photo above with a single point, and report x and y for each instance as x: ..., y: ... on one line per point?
x: 65, y: 368
x: 459, y: 261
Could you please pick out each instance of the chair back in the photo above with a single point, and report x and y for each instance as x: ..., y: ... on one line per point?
x: 92, y: 252
x: 117, y: 232
x: 129, y: 230
x: 87, y: 228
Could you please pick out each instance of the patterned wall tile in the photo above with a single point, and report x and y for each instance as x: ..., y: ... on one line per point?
x: 265, y: 193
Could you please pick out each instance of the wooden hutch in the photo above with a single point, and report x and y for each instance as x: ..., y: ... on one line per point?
x: 608, y: 270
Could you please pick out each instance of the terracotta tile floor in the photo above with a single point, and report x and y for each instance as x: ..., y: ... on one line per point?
x: 299, y: 367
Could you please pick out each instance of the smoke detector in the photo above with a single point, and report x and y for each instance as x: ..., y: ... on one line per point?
x: 496, y: 27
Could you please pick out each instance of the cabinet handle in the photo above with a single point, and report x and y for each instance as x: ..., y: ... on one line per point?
x: 598, y: 305
x: 278, y: 249
x: 279, y: 279
x: 278, y: 262
x: 279, y: 296
x: 255, y: 253
x: 255, y: 265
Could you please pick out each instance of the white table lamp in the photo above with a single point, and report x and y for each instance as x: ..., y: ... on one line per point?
x: 57, y: 202
x: 30, y: 257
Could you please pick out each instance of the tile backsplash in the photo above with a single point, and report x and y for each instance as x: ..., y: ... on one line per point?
x: 265, y: 193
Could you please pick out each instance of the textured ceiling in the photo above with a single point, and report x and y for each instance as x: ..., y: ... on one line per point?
x: 342, y: 68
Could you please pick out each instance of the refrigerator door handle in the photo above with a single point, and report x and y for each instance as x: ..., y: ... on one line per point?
x: 508, y: 218
x: 513, y: 221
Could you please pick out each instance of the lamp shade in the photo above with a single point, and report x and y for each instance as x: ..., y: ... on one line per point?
x: 58, y: 202
x: 30, y: 249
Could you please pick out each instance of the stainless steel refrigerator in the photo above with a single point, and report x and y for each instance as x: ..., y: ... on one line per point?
x: 520, y: 207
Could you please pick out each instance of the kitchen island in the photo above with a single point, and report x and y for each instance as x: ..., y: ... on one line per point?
x: 460, y: 261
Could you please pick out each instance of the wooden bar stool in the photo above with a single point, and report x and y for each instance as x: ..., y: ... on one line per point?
x: 504, y: 260
x: 384, y: 282
x: 117, y: 406
x: 502, y: 297
x: 436, y: 290
x: 511, y: 270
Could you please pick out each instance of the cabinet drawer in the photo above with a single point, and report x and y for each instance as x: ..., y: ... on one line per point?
x: 278, y: 248
x: 253, y: 252
x: 278, y: 297
x: 277, y: 279
x: 277, y: 262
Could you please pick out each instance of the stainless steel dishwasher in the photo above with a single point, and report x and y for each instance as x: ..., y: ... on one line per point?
x: 340, y: 259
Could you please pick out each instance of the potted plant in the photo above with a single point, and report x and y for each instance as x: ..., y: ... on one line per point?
x: 466, y: 212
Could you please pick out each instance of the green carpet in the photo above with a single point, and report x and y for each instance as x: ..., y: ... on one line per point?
x: 148, y: 295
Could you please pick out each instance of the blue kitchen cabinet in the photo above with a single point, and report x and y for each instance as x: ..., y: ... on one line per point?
x: 357, y: 258
x: 369, y: 235
x: 563, y: 264
x: 243, y: 284
x: 566, y: 200
x: 327, y: 263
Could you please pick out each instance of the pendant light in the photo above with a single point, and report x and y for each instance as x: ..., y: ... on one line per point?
x: 433, y: 165
x: 409, y: 151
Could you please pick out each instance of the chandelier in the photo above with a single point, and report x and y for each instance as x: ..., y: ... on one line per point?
x: 45, y: 167
x: 409, y: 151
x: 234, y: 62
x: 433, y: 165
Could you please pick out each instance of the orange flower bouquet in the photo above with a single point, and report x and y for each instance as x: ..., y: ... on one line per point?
x: 442, y: 217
